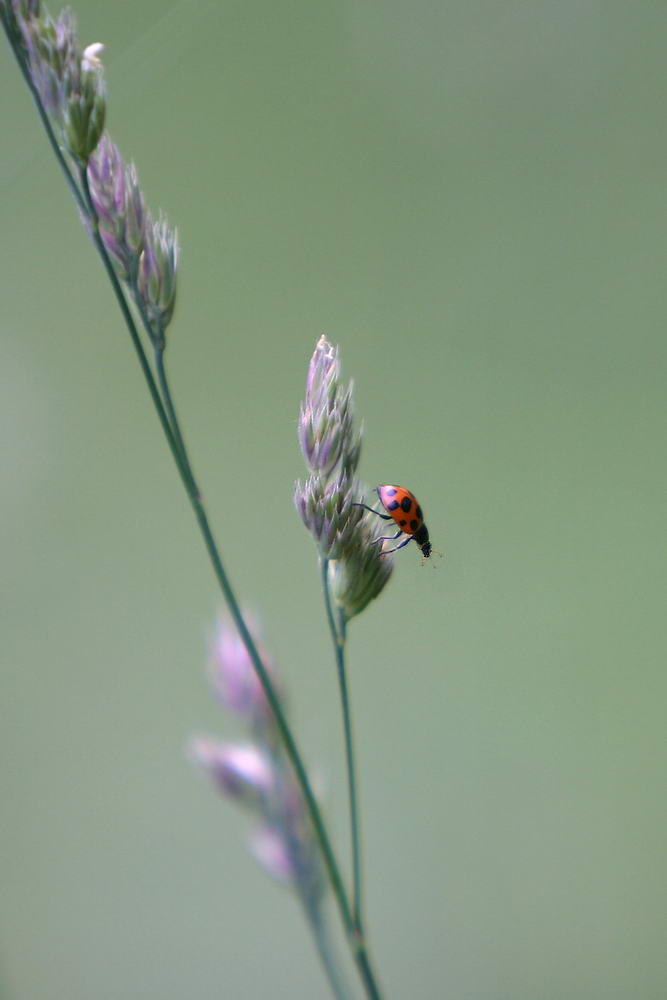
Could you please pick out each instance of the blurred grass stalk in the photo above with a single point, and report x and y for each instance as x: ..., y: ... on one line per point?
x: 140, y: 258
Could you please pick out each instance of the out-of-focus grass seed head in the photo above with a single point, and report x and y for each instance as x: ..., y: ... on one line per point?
x: 85, y: 111
x: 257, y: 774
x: 156, y: 280
x: 70, y: 83
x: 242, y: 771
x: 235, y: 681
x: 53, y: 57
x: 108, y: 183
x: 144, y: 251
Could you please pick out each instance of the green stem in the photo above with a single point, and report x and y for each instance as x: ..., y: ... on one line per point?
x: 339, y: 636
x: 191, y: 485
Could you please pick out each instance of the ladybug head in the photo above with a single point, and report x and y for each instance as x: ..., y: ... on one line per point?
x: 426, y: 549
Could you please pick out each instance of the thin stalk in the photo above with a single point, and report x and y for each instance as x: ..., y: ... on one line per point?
x: 339, y: 636
x: 173, y: 419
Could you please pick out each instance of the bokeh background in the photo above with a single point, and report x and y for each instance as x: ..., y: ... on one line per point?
x: 470, y: 199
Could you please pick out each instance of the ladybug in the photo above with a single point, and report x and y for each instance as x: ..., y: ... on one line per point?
x: 402, y: 508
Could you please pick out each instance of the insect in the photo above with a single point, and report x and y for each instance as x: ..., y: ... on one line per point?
x: 402, y: 508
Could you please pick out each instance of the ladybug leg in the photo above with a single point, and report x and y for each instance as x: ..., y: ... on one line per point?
x: 387, y: 538
x: 388, y: 552
x: 385, y: 517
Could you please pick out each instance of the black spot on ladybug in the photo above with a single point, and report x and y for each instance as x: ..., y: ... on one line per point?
x: 406, y: 504
x: 419, y: 512
x: 391, y: 492
x: 402, y: 523
x: 393, y: 505
x: 414, y: 524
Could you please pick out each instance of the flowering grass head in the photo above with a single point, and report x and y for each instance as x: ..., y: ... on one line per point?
x: 144, y: 251
x: 70, y: 86
x: 327, y: 499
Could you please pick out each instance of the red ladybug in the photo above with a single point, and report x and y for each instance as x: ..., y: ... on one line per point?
x: 402, y: 508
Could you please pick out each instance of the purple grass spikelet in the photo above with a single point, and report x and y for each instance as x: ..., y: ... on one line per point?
x: 135, y: 214
x: 119, y: 206
x: 241, y: 770
x: 268, y: 847
x: 325, y: 420
x: 52, y: 56
x: 106, y: 179
x: 234, y: 679
x: 156, y: 278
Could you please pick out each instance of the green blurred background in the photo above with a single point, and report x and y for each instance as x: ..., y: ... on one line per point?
x: 469, y: 198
